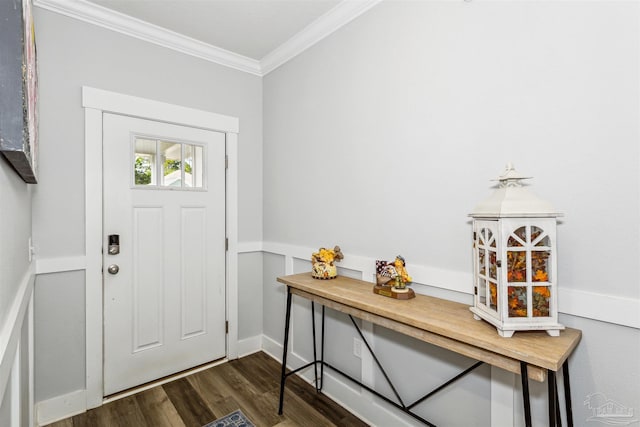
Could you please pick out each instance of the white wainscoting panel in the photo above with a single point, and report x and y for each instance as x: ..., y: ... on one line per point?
x: 602, y: 307
x: 504, y: 405
x: 11, y: 348
x: 61, y: 407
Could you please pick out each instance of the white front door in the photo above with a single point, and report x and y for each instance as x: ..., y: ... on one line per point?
x: 164, y: 292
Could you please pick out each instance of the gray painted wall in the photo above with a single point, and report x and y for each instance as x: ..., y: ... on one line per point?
x: 385, y: 135
x: 15, y: 230
x: 73, y: 54
x: 401, y: 117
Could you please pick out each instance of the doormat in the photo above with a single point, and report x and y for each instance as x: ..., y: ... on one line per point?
x: 234, y: 419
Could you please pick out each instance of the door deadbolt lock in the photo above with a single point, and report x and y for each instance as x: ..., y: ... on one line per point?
x: 113, y: 269
x: 114, y: 244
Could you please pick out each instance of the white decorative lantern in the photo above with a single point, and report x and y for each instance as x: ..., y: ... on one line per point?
x: 514, y: 259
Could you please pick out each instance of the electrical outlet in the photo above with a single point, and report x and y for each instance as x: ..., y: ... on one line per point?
x: 357, y: 348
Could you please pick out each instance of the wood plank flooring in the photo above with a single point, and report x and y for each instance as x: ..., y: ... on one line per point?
x: 251, y: 384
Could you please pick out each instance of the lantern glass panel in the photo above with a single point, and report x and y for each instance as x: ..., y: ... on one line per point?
x: 482, y: 291
x: 493, y: 265
x: 540, y: 301
x: 517, y: 301
x: 513, y: 242
x: 543, y: 242
x: 539, y: 237
x: 540, y: 266
x: 518, y: 238
x: 516, y: 266
x: 493, y: 296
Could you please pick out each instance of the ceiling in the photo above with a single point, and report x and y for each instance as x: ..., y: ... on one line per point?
x: 251, y: 28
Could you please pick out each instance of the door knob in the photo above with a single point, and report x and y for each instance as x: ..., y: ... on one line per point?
x: 113, y: 269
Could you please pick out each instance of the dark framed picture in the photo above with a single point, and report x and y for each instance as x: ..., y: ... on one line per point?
x: 18, y: 88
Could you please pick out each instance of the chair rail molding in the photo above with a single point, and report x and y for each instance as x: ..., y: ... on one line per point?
x: 602, y: 307
x: 60, y: 264
x: 622, y: 311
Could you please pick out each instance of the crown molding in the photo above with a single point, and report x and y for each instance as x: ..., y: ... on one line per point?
x: 340, y: 15
x: 115, y: 21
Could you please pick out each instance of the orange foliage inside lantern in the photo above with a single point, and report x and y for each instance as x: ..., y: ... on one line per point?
x: 493, y: 299
x: 517, y: 301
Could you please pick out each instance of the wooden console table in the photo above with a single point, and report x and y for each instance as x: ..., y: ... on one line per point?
x: 443, y: 323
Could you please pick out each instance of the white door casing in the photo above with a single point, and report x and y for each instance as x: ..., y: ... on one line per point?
x: 164, y: 310
x: 96, y: 102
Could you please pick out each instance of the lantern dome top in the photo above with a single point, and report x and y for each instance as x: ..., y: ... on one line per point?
x: 511, y: 199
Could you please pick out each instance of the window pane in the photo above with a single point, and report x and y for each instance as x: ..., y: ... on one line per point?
x: 193, y: 166
x: 171, y: 156
x: 188, y: 165
x: 198, y: 171
x: 144, y: 168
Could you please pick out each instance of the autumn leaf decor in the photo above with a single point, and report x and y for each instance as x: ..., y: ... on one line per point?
x: 540, y: 276
x: 517, y: 295
x: 517, y: 301
x: 541, y: 296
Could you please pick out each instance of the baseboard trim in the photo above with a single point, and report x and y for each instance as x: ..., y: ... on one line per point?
x: 249, y: 345
x: 61, y: 407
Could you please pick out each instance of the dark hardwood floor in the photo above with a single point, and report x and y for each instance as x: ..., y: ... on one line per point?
x: 251, y: 384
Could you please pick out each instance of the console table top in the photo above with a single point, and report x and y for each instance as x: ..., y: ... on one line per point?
x: 437, y: 317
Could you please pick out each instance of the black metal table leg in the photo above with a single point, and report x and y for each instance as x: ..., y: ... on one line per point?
x: 524, y: 375
x: 322, y: 352
x: 315, y: 357
x: 552, y: 390
x: 558, y: 415
x: 283, y: 376
x: 567, y: 393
